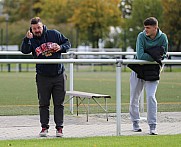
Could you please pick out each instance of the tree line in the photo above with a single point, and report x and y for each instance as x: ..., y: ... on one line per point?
x: 116, y: 22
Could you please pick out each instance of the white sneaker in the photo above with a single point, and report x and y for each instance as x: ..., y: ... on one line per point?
x: 44, y: 132
x: 137, y: 130
x: 136, y: 127
x: 59, y: 132
x: 153, y: 132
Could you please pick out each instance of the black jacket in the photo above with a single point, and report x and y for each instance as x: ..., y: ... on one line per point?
x: 156, y: 53
x: 149, y: 72
x: 39, y: 49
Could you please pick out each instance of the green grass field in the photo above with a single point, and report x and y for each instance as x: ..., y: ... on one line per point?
x: 110, y: 141
x: 18, y: 91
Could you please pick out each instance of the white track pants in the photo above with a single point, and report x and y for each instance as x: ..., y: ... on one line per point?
x: 136, y: 87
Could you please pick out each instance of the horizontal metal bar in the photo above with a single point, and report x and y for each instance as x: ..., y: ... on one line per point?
x: 135, y: 61
x: 84, y: 53
x: 53, y: 61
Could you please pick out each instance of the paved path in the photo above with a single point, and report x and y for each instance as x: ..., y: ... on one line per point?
x: 28, y: 127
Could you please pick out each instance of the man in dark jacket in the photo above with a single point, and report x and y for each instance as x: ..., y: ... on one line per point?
x: 50, y: 78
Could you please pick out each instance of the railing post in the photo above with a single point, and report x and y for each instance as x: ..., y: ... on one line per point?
x: 71, y: 70
x: 118, y: 98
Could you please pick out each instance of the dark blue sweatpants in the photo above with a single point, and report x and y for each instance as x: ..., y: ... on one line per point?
x: 48, y: 87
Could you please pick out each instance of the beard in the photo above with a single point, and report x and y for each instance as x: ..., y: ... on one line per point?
x: 38, y: 34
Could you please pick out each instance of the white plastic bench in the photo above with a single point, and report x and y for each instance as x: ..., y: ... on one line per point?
x: 79, y: 95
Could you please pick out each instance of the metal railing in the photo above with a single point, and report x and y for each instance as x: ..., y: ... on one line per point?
x: 86, y: 53
x: 118, y: 62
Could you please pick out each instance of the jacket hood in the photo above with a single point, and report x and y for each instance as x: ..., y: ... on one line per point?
x: 159, y: 33
x: 44, y: 30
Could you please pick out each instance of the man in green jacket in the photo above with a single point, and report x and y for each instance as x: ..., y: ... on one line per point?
x: 151, y: 37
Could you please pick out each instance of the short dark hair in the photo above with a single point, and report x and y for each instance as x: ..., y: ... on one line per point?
x: 150, y: 21
x: 35, y: 20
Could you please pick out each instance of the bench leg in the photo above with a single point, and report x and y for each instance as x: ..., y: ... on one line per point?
x: 88, y: 110
x: 106, y: 108
x: 70, y: 98
x: 77, y: 103
x: 82, y: 102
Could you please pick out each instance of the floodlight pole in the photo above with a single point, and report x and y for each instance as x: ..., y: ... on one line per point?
x: 118, y: 98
